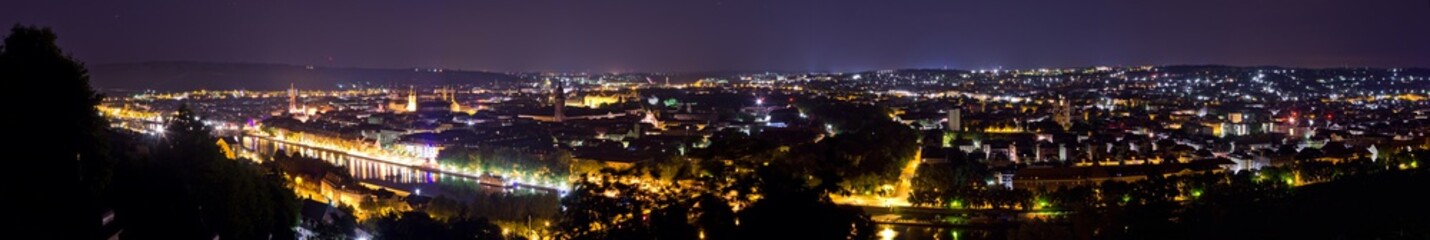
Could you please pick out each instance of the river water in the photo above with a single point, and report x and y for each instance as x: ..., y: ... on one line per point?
x: 387, y: 175
x: 939, y: 233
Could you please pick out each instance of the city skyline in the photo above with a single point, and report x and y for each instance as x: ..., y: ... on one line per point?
x: 824, y: 36
x: 721, y: 119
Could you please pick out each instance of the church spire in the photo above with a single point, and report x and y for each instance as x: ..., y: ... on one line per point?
x: 411, y: 98
x: 452, y: 96
x: 292, y: 99
x: 559, y: 101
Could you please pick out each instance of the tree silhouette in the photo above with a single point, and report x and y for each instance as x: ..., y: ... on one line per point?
x: 793, y: 210
x: 188, y: 182
x: 73, y: 159
x: 188, y: 141
x: 715, y: 219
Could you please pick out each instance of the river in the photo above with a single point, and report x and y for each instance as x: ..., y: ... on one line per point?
x: 392, y: 176
x: 937, y: 233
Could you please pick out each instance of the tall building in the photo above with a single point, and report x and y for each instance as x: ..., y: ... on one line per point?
x: 411, y: 99
x: 292, y: 98
x: 1063, y: 152
x: 293, y: 106
x: 559, y: 100
x: 1062, y: 114
x: 452, y: 97
x: 955, y: 119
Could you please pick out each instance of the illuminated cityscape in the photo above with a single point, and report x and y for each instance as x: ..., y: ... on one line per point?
x: 1034, y: 132
x: 723, y: 120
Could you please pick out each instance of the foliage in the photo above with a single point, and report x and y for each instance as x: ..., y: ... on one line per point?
x: 791, y: 209
x: 1254, y: 204
x: 189, y: 183
x: 549, y: 167
x: 418, y: 225
x: 939, y: 184
x: 1273, y: 202
x: 378, y: 206
x: 869, y: 149
x: 781, y: 203
x: 606, y: 208
x: 74, y: 161
x: 501, y: 207
x: 342, y: 227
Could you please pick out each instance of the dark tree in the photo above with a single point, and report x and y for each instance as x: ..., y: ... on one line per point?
x: 188, y: 141
x: 188, y: 182
x: 410, y: 225
x: 475, y: 228
x: 936, y: 184
x: 793, y: 210
x: 672, y: 222
x: 69, y: 131
x: 590, y: 213
x: 715, y: 218
x: 421, y: 225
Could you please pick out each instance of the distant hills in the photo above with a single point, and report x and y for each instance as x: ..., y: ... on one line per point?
x: 169, y: 76
x: 177, y: 76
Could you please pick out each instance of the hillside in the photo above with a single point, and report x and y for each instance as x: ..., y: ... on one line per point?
x: 200, y: 75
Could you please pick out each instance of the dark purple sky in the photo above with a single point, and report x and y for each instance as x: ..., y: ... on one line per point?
x: 666, y: 35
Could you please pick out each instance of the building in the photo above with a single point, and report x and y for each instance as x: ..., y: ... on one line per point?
x: 411, y: 99
x: 1063, y: 114
x: 293, y: 99
x: 559, y: 102
x: 955, y: 119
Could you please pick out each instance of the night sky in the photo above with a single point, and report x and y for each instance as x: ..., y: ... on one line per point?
x: 697, y: 35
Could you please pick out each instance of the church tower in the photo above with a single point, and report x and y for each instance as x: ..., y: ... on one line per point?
x: 411, y: 99
x: 955, y: 119
x: 559, y: 101
x: 1062, y: 114
x: 292, y: 99
x: 452, y: 97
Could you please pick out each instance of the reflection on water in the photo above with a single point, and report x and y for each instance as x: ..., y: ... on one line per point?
x: 906, y: 232
x: 384, y: 174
